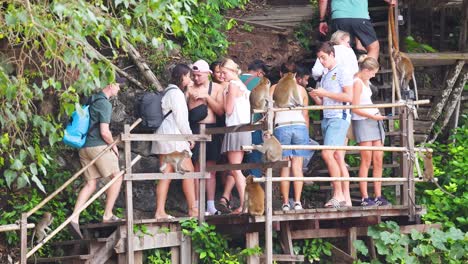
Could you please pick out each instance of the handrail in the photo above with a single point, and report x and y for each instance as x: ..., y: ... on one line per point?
x: 330, y: 107
x: 329, y: 179
x: 347, y: 148
x: 77, y: 174
x: 94, y: 197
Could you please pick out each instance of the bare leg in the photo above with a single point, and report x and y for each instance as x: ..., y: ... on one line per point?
x: 334, y: 171
x: 377, y: 161
x: 188, y: 188
x: 161, y: 194
x: 340, y: 159
x: 284, y: 185
x: 228, y: 186
x: 235, y: 157
x: 112, y: 194
x: 366, y: 157
x: 296, y: 165
x: 373, y: 50
x: 86, y: 192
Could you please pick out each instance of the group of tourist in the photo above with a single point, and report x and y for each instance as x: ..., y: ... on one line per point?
x: 218, y: 96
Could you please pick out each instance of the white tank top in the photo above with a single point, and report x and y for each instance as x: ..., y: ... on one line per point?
x: 241, y: 111
x: 287, y: 118
x: 365, y: 98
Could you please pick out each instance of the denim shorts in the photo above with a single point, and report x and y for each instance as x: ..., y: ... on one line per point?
x: 293, y: 135
x: 334, y: 131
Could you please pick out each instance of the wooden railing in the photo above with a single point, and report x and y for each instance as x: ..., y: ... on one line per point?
x: 408, y: 158
x: 23, y: 226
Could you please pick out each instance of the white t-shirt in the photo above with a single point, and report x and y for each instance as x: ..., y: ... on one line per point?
x: 344, y: 56
x: 365, y: 98
x: 334, y: 81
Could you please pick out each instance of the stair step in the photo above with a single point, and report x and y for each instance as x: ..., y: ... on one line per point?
x: 70, y: 242
x: 56, y: 259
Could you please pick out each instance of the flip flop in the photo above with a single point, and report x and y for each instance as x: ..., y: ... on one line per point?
x: 168, y: 217
x: 113, y: 218
x: 334, y: 203
x: 224, y: 207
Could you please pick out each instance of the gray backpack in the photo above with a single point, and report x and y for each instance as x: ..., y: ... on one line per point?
x: 149, y: 109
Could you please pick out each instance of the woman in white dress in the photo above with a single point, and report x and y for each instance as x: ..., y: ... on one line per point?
x: 175, y: 123
x: 237, y: 109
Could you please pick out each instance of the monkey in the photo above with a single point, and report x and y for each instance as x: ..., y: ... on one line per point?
x: 175, y: 159
x: 254, y: 197
x: 286, y: 94
x: 259, y: 97
x: 403, y: 63
x: 429, y: 173
x: 271, y: 148
x: 42, y: 227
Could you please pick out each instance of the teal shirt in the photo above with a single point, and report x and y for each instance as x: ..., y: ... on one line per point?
x: 100, y: 112
x: 254, y: 82
x: 349, y: 9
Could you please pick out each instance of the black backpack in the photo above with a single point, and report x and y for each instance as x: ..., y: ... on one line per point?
x: 149, y: 109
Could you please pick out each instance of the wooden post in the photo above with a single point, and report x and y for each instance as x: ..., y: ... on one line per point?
x: 268, y: 196
x: 185, y: 250
x: 404, y: 158
x: 352, y: 236
x: 129, y: 200
x: 24, y: 237
x: 410, y: 146
x: 202, y: 182
x: 286, y: 239
x: 252, y: 241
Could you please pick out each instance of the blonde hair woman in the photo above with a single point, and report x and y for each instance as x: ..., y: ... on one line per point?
x: 368, y: 130
x: 237, y: 109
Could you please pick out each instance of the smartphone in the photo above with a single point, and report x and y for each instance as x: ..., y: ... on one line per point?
x: 309, y: 89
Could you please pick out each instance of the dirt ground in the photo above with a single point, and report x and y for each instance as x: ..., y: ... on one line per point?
x: 250, y: 42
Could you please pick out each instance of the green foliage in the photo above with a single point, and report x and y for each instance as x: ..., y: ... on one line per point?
x: 53, y: 61
x: 413, y: 46
x: 450, y: 168
x: 314, y: 250
x: 158, y: 256
x: 211, y: 246
x: 304, y: 32
x: 435, y: 246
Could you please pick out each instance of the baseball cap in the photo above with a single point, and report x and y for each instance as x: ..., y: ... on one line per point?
x: 201, y: 66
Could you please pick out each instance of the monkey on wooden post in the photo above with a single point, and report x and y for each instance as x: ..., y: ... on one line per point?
x: 286, y: 93
x: 175, y: 159
x: 259, y: 97
x: 271, y: 148
x: 254, y: 197
x: 42, y: 227
x: 403, y: 63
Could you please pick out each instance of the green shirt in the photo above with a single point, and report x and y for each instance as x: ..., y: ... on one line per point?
x: 349, y: 9
x: 100, y: 111
x: 252, y: 83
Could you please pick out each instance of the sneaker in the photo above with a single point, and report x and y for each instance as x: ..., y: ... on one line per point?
x: 381, y: 201
x: 286, y: 207
x: 298, y: 206
x: 367, y: 202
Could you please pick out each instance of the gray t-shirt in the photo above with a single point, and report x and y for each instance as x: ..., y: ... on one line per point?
x: 99, y: 112
x: 334, y: 81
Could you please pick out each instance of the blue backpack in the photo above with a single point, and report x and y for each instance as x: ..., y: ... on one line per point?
x: 78, y: 128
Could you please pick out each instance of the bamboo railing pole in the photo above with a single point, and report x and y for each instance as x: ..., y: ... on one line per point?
x: 323, y: 107
x: 347, y: 148
x: 76, y: 175
x: 268, y: 194
x: 130, y: 254
x: 330, y: 179
x: 14, y: 227
x: 201, y: 182
x: 94, y: 197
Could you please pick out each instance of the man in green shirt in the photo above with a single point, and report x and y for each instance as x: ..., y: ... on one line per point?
x: 98, y: 138
x: 351, y: 16
x: 256, y: 71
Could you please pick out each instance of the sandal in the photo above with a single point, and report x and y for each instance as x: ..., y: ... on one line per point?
x: 224, y: 207
x: 113, y: 218
x: 167, y: 217
x: 334, y: 203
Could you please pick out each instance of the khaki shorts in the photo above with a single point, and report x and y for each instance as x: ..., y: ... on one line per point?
x: 105, y: 166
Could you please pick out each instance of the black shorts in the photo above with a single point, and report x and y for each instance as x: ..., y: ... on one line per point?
x: 356, y: 27
x: 213, y: 147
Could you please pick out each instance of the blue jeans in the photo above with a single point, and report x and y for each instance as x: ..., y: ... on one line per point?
x: 293, y: 135
x: 255, y: 156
